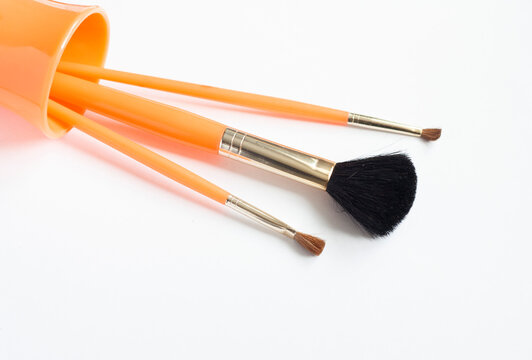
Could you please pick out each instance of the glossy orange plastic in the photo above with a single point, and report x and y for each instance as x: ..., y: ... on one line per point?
x: 146, y: 114
x: 138, y: 152
x: 35, y: 35
x: 254, y: 101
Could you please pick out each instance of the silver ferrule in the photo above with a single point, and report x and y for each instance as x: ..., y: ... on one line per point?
x: 276, y: 158
x: 380, y: 124
x: 259, y: 216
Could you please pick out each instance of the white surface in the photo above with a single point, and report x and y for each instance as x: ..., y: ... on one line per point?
x: 101, y: 258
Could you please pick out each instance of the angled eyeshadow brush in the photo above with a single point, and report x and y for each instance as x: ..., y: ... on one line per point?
x: 261, y: 102
x: 180, y: 174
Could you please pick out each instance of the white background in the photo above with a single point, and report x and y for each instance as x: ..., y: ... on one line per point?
x: 101, y: 258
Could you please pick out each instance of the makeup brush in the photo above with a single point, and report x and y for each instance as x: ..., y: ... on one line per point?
x: 179, y: 174
x: 261, y: 102
x: 377, y: 192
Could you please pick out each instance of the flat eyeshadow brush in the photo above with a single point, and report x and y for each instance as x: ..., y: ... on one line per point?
x: 179, y: 174
x: 261, y: 102
x: 377, y: 192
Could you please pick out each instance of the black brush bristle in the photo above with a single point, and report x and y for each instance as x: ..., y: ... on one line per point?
x: 377, y: 191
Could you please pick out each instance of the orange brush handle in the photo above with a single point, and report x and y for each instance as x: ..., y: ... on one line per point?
x: 135, y: 110
x: 261, y: 102
x: 138, y: 152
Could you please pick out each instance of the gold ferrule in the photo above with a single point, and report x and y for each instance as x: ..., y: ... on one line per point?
x: 297, y: 165
x: 259, y: 216
x: 380, y: 124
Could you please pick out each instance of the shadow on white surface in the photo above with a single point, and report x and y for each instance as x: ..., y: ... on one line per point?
x: 15, y: 131
x: 119, y: 161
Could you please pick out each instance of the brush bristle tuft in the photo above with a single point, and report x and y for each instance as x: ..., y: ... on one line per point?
x: 311, y: 243
x: 377, y: 192
x: 431, y: 134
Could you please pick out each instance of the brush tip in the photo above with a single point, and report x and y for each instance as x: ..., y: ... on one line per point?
x: 311, y: 243
x: 377, y: 191
x: 431, y: 134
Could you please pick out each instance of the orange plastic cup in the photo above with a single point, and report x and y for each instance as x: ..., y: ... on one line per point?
x: 35, y: 35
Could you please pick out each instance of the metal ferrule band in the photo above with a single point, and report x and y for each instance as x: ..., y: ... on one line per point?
x: 380, y: 124
x: 297, y: 165
x: 259, y: 216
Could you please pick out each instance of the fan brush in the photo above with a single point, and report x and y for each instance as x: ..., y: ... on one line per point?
x: 377, y: 192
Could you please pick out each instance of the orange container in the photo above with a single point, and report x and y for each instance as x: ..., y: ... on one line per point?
x: 35, y: 35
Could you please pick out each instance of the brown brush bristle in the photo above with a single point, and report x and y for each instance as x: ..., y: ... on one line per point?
x: 311, y: 243
x: 431, y: 134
